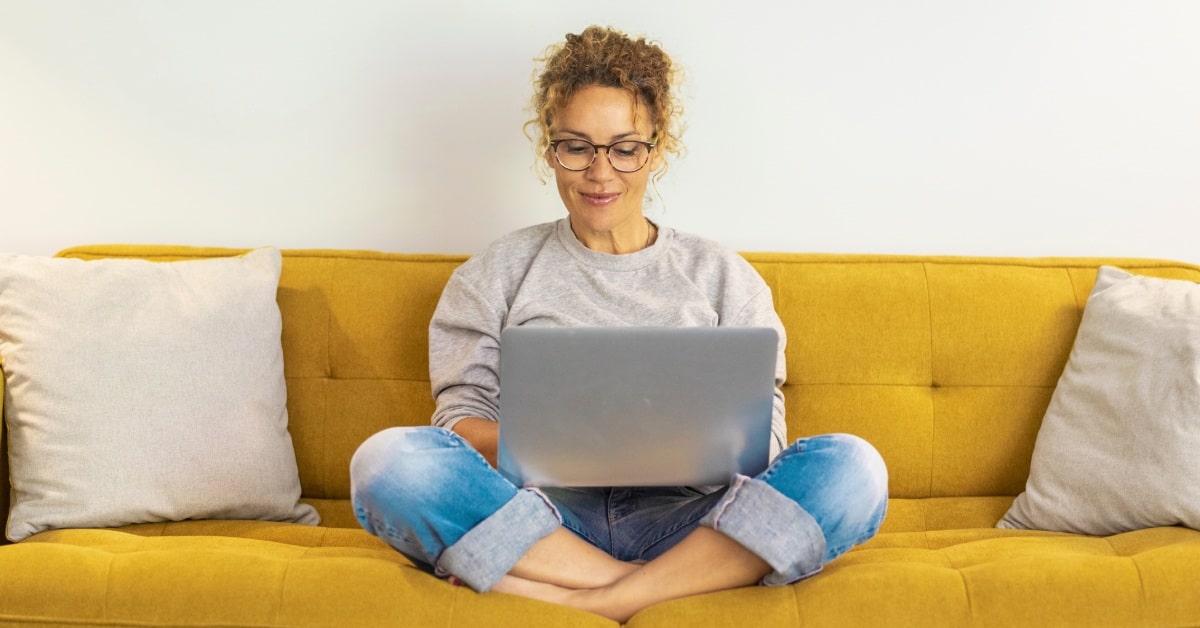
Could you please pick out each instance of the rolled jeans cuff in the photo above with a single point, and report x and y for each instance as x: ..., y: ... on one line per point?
x: 489, y: 550
x: 772, y: 526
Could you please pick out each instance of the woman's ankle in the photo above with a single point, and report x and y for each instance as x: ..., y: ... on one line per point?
x: 617, y: 601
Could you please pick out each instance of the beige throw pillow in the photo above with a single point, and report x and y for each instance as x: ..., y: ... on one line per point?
x: 1119, y: 447
x: 144, y: 392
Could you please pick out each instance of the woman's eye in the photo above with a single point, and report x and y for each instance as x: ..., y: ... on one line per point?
x: 628, y: 149
x: 576, y: 148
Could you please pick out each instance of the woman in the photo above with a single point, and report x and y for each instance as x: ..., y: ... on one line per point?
x: 607, y: 115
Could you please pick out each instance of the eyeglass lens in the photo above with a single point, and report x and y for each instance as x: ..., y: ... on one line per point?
x: 624, y: 156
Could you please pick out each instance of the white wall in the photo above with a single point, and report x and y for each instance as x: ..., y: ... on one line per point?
x: 1029, y: 127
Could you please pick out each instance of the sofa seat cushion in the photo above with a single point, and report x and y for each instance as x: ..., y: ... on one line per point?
x: 262, y: 573
x: 338, y: 527
x: 981, y: 577
x: 276, y: 532
x: 345, y: 578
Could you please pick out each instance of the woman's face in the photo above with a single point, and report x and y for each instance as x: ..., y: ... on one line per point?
x: 605, y: 205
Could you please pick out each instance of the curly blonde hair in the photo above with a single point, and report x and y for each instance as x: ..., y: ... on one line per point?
x: 607, y: 57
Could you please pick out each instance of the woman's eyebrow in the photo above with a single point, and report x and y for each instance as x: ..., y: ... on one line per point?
x: 585, y: 136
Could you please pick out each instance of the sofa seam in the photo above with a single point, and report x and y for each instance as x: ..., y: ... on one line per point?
x: 186, y: 252
x: 1080, y: 262
x: 796, y: 604
x: 932, y: 381
x: 324, y: 479
x: 325, y: 490
x: 1074, y: 290
x: 1137, y: 569
x: 454, y: 601
x: 108, y: 585
x: 966, y: 593
x: 359, y: 379
x: 29, y: 620
x: 921, y: 386
x: 287, y: 569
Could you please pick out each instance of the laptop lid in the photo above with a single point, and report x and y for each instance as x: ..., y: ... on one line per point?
x: 635, y: 406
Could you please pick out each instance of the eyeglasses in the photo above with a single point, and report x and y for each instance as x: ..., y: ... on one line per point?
x: 578, y: 155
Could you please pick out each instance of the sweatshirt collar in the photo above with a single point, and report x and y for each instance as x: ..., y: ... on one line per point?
x: 607, y: 261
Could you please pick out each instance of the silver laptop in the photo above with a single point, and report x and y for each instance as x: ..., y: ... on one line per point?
x: 635, y: 406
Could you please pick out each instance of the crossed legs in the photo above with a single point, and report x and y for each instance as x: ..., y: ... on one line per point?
x: 705, y: 561
x: 433, y: 498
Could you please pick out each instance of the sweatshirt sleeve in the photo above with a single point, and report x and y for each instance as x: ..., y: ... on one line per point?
x: 759, y: 311
x: 464, y: 353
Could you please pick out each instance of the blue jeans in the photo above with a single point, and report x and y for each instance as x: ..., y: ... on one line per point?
x: 431, y: 496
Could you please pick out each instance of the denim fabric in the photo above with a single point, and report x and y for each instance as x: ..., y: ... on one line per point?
x: 825, y: 494
x: 432, y: 497
x: 636, y: 523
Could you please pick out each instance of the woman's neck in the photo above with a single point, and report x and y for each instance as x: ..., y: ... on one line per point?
x: 638, y: 236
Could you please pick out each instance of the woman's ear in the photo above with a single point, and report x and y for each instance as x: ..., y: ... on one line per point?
x: 657, y: 156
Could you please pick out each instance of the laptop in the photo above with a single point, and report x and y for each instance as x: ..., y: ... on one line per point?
x: 635, y: 406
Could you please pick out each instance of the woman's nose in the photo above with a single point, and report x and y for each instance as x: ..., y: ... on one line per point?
x: 601, y: 168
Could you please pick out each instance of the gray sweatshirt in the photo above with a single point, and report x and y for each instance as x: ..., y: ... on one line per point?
x: 543, y: 275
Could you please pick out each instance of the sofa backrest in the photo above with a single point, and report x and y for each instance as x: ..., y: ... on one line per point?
x: 946, y: 364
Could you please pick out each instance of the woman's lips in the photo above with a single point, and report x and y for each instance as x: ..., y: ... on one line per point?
x: 599, y: 200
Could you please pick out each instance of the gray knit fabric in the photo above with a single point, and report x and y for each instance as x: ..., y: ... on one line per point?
x: 543, y: 275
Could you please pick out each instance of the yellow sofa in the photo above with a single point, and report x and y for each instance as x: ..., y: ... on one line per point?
x: 946, y: 364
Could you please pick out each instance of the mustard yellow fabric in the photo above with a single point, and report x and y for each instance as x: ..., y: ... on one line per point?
x: 946, y: 364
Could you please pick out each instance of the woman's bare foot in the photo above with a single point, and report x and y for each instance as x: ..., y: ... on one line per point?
x: 545, y: 592
x: 600, y: 601
x: 705, y: 561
